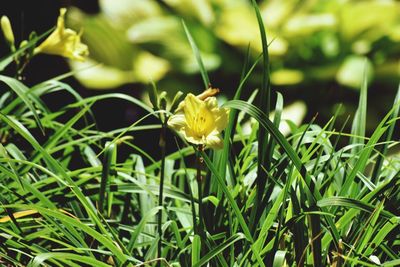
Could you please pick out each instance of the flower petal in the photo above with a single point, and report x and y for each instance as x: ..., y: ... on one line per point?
x: 221, y: 119
x: 214, y: 140
x: 192, y: 106
x: 200, y: 121
x: 177, y: 121
x: 220, y: 114
x: 190, y: 137
x: 211, y: 103
x: 64, y: 42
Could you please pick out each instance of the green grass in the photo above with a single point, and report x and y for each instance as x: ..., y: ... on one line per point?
x: 296, y: 200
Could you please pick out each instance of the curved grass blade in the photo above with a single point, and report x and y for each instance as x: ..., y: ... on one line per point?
x: 347, y: 217
x: 113, y: 95
x: 40, y: 259
x: 312, y: 192
x: 7, y: 60
x: 55, y: 137
x: 139, y: 229
x: 264, y: 105
x: 380, y: 236
x: 279, y: 259
x: 55, y: 165
x: 360, y: 118
x: 109, y: 157
x: 196, y: 52
x: 79, y: 225
x: 228, y: 133
x: 22, y: 91
x: 196, y: 249
x: 234, y: 205
x: 53, y: 86
x: 218, y: 249
x: 353, y: 203
x: 382, y: 150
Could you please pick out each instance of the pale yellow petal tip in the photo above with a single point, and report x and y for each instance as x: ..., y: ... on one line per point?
x: 200, y: 120
x: 214, y: 141
x: 177, y: 121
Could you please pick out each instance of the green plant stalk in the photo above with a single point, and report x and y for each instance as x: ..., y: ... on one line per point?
x: 199, y: 178
x: 161, y: 189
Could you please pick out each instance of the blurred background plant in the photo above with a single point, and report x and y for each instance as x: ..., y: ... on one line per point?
x: 317, y: 48
x: 138, y: 41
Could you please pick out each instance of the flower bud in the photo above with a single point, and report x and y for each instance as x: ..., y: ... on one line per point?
x: 23, y: 43
x: 7, y: 31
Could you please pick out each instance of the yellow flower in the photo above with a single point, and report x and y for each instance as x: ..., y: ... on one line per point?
x: 200, y: 120
x: 64, y: 42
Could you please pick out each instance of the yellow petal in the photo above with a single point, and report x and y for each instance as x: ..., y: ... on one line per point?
x: 200, y: 121
x: 211, y: 103
x: 63, y: 42
x: 192, y: 106
x: 221, y: 119
x: 191, y: 137
x: 177, y: 121
x: 220, y: 114
x: 214, y: 140
x: 204, y: 121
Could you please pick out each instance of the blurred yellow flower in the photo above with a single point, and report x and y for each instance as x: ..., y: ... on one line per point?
x: 64, y: 42
x: 200, y: 120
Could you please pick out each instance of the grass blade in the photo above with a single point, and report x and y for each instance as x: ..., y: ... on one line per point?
x: 218, y: 249
x: 196, y: 249
x: 22, y: 91
x: 196, y: 53
x: 264, y: 105
x: 382, y: 150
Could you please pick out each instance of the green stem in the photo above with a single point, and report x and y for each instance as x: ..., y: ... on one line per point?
x: 161, y: 189
x: 199, y: 178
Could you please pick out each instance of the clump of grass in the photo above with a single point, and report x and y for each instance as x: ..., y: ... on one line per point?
x: 299, y: 200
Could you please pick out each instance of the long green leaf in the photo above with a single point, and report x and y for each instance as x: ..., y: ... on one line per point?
x: 41, y: 258
x: 312, y: 192
x: 218, y: 249
x: 22, y: 91
x: 196, y: 52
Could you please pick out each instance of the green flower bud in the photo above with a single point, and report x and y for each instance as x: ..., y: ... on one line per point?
x: 23, y: 43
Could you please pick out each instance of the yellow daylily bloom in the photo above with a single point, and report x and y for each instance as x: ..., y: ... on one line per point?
x: 200, y: 120
x: 64, y: 42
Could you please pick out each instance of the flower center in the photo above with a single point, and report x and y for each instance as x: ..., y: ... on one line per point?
x: 202, y: 123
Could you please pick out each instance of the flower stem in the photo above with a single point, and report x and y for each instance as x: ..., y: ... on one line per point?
x: 199, y: 178
x: 161, y: 189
